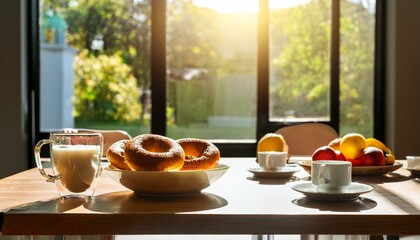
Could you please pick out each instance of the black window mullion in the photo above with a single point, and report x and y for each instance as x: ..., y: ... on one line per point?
x: 379, y: 78
x: 263, y: 69
x: 335, y: 66
x: 158, y: 66
x: 34, y: 78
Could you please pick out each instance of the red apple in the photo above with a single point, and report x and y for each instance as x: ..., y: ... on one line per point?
x: 354, y: 162
x: 340, y: 155
x: 324, y: 153
x: 372, y: 156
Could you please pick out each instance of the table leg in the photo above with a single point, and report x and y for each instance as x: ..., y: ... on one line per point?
x: 263, y: 237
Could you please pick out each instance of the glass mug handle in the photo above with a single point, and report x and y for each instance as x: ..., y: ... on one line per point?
x: 37, y: 152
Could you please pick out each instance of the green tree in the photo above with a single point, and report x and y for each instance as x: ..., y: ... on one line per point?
x: 301, y: 63
x: 109, y: 27
x: 193, y: 36
x: 302, y: 67
x: 357, y: 63
x: 105, y: 89
x: 119, y: 27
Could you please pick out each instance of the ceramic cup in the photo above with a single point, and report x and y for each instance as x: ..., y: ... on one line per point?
x: 272, y: 160
x: 331, y: 175
x: 75, y: 162
x: 413, y: 162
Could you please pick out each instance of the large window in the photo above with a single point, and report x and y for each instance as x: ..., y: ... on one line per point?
x: 228, y: 71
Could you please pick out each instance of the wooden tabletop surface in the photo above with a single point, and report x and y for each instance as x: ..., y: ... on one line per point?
x: 237, y: 203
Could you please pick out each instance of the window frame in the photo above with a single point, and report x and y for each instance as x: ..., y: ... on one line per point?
x: 264, y: 124
x: 228, y: 148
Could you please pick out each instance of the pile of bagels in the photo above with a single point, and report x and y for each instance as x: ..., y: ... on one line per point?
x: 152, y: 152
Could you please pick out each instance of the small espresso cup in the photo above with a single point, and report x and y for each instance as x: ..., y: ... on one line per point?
x: 75, y: 162
x: 272, y: 160
x: 413, y: 162
x: 331, y: 175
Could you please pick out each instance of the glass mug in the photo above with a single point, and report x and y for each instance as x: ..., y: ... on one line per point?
x: 75, y: 162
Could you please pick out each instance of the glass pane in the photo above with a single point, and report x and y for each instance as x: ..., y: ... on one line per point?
x: 95, y: 64
x: 299, y: 60
x: 212, y: 65
x: 357, y: 32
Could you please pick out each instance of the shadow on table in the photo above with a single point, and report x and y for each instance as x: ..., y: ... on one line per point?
x: 274, y: 181
x: 361, y: 204
x: 128, y: 202
x: 377, y: 179
x: 56, y: 205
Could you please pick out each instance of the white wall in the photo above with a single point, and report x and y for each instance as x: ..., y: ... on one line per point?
x: 13, y: 157
x: 403, y: 77
x: 56, y: 86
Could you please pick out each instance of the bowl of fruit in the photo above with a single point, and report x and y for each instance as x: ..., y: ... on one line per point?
x: 369, y: 156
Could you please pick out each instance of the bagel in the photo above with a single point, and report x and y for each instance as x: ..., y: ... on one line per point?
x: 115, y: 155
x: 199, y: 154
x: 151, y: 152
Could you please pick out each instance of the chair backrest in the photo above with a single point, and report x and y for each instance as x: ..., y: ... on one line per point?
x: 110, y: 136
x: 304, y: 138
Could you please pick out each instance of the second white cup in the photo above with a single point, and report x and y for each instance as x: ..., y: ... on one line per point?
x: 413, y: 162
x: 331, y: 175
x: 272, y: 160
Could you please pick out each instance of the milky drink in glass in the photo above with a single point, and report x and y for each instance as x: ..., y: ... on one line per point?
x: 77, y: 165
x: 75, y: 162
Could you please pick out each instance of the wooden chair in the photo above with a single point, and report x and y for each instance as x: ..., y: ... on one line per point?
x: 304, y: 138
x: 110, y: 136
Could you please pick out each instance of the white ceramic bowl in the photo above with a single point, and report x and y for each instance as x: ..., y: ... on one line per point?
x: 167, y: 183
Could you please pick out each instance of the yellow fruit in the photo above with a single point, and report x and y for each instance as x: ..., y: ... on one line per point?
x: 390, y: 159
x: 352, y: 144
x: 272, y: 142
x: 373, y: 142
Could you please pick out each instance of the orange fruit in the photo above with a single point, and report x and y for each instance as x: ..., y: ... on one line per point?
x: 272, y: 142
x: 352, y: 144
x: 335, y: 144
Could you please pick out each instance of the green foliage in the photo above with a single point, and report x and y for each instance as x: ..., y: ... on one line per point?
x: 356, y: 72
x: 192, y: 36
x: 193, y: 101
x: 121, y: 27
x: 302, y: 67
x: 300, y: 70
x: 105, y: 89
x: 301, y: 64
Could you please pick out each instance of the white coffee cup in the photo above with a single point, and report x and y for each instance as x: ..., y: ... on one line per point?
x: 331, y: 175
x: 413, y: 162
x: 272, y: 160
x: 75, y: 162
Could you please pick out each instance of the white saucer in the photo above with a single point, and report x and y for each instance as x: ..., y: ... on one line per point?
x: 414, y: 172
x: 349, y: 194
x: 284, y: 172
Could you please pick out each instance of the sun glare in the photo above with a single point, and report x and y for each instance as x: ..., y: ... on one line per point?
x: 245, y: 6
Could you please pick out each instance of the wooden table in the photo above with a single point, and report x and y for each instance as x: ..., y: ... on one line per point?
x: 235, y: 204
